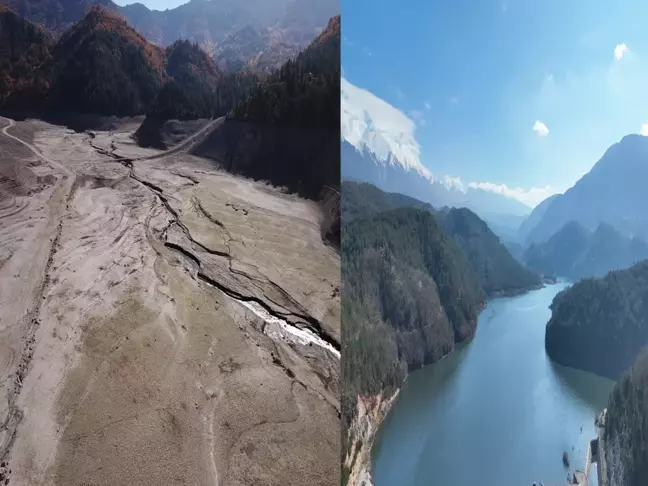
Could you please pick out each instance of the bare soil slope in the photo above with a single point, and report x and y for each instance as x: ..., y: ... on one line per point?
x: 161, y: 322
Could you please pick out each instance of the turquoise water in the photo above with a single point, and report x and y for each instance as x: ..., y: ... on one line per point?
x: 496, y: 412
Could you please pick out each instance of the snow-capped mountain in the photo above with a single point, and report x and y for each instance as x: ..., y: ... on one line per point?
x: 379, y: 146
x: 385, y: 133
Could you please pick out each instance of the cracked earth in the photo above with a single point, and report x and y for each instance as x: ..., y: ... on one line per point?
x: 161, y: 321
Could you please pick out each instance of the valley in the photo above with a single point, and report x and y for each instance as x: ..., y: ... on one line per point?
x: 576, y: 299
x: 162, y: 320
x: 498, y: 401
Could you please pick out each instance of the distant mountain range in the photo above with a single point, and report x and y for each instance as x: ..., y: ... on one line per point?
x: 575, y: 252
x: 613, y: 192
x: 100, y: 66
x: 533, y: 219
x: 375, y: 148
x: 248, y: 34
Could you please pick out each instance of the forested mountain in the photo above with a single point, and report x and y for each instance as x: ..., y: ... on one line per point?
x: 601, y: 324
x: 498, y: 272
x: 247, y: 34
x: 626, y: 427
x: 103, y: 66
x: 100, y: 66
x: 197, y: 88
x: 286, y: 130
x: 409, y: 296
x: 303, y: 90
x: 613, y: 192
x: 558, y: 254
x: 575, y: 252
x: 24, y: 48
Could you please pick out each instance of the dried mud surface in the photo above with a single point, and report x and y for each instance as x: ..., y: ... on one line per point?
x: 161, y: 321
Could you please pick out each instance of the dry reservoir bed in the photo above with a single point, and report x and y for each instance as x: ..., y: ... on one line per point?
x: 161, y: 321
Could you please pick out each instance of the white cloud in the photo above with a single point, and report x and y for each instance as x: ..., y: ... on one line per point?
x: 644, y: 130
x: 370, y: 123
x: 540, y: 128
x: 531, y: 197
x: 620, y: 50
x: 453, y: 182
x: 418, y: 115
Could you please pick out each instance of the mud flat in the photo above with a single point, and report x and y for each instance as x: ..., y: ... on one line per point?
x: 161, y: 321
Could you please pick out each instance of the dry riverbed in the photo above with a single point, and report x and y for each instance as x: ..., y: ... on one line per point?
x: 161, y: 321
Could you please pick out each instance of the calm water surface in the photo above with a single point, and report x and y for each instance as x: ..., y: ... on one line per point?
x: 495, y: 412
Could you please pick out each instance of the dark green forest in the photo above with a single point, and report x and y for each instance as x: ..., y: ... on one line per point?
x: 303, y: 91
x: 197, y: 88
x: 24, y: 47
x: 102, y: 66
x: 104, y: 74
x: 498, y: 272
x: 626, y: 428
x: 409, y: 295
x: 601, y: 324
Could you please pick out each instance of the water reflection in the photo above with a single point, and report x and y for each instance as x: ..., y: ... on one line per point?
x: 497, y: 411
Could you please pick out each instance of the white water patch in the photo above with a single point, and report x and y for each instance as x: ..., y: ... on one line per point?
x: 279, y: 329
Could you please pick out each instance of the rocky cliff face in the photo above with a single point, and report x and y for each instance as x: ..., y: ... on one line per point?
x: 626, y: 428
x: 370, y: 414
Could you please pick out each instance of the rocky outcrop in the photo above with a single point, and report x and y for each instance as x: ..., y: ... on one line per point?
x: 370, y: 414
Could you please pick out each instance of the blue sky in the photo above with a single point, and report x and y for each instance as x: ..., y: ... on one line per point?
x: 154, y: 4
x: 476, y: 76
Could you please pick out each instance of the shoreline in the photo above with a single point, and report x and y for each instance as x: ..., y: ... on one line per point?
x: 377, y: 425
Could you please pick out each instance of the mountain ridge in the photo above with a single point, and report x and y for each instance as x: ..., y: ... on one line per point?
x: 576, y: 252
x: 611, y: 192
x: 497, y: 272
x: 285, y: 26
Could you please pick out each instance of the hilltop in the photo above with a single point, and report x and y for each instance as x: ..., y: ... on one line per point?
x: 601, y: 324
x: 575, y: 253
x: 612, y: 192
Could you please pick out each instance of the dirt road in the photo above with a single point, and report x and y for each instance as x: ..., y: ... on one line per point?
x: 161, y: 321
